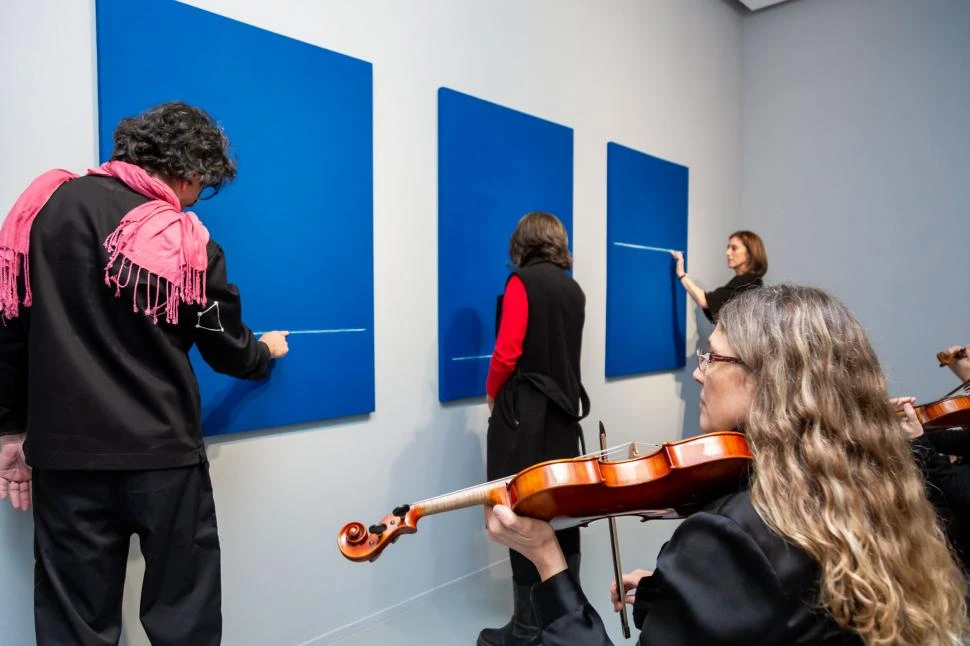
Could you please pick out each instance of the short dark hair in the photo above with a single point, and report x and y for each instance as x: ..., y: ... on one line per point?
x: 177, y: 141
x: 757, y: 256
x: 540, y: 235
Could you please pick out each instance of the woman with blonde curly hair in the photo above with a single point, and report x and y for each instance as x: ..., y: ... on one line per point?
x: 830, y: 541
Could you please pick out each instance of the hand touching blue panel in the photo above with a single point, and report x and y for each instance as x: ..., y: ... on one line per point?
x: 297, y: 225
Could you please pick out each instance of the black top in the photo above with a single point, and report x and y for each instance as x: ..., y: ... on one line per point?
x: 951, y: 442
x: 717, y: 299
x: 948, y: 488
x: 99, y: 386
x: 724, y: 579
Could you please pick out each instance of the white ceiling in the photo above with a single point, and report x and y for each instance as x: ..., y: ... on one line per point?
x: 754, y: 5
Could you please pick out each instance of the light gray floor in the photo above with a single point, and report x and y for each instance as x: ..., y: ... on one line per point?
x: 452, y: 615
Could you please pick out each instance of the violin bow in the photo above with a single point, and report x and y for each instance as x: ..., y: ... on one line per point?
x: 617, y: 569
x: 965, y: 386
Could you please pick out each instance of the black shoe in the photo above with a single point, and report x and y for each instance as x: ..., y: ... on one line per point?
x: 493, y: 636
x: 522, y: 629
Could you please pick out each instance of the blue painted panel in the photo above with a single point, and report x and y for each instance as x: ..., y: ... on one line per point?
x: 297, y: 224
x: 645, y: 306
x: 494, y: 165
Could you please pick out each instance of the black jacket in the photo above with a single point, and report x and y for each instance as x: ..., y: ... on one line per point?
x: 950, y: 442
x: 948, y: 485
x: 724, y: 579
x: 97, y: 385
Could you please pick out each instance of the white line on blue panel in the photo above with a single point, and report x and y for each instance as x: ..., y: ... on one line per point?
x: 642, y: 246
x: 350, y: 329
x: 472, y: 358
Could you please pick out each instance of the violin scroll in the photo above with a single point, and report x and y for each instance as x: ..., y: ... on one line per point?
x: 949, y: 358
x: 355, y: 533
x: 360, y: 543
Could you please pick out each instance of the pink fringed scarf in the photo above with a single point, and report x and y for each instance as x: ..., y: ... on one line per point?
x: 155, y: 237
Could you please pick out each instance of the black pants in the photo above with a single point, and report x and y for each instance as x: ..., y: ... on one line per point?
x: 83, y: 524
x: 526, y: 428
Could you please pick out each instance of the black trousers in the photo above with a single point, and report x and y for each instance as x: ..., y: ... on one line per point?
x: 526, y: 428
x: 83, y: 524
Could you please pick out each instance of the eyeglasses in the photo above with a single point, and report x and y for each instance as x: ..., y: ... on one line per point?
x: 208, y: 192
x: 706, y: 358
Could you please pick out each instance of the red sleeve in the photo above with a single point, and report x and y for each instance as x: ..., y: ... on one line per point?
x: 511, y: 334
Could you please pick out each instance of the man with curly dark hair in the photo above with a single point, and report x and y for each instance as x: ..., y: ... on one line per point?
x: 103, y: 281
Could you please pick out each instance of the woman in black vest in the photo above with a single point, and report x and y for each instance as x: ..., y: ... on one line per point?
x: 535, y: 394
x: 746, y: 256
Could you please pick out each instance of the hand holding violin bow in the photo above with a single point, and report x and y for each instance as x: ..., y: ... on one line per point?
x: 631, y: 580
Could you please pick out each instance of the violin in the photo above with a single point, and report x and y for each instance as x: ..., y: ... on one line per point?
x: 949, y: 358
x: 950, y: 412
x: 670, y: 482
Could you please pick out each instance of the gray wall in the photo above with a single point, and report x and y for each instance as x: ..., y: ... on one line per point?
x: 856, y: 164
x: 662, y: 76
x: 850, y: 155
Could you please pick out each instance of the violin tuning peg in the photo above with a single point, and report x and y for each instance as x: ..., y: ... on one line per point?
x: 378, y: 529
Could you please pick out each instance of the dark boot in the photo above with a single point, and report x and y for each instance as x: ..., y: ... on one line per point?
x: 493, y: 636
x: 522, y: 629
x: 525, y: 626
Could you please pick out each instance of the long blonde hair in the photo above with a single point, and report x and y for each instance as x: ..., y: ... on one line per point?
x: 820, y: 427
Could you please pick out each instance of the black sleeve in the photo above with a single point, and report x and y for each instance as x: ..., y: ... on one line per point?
x: 13, y: 375
x: 223, y: 339
x: 942, y: 478
x: 713, y: 585
x: 716, y: 300
x: 566, y: 616
x: 950, y: 442
x: 720, y: 296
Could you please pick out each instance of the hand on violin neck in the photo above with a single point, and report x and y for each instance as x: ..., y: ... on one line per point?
x: 533, y: 539
x: 910, y: 423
